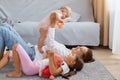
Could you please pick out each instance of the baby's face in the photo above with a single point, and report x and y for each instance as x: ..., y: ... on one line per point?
x: 65, y: 13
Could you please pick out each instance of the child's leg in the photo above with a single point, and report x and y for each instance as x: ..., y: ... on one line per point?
x: 4, y: 61
x: 17, y: 72
x: 28, y: 67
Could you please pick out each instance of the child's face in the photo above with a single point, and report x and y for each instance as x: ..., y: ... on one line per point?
x: 70, y: 59
x: 65, y: 13
x: 79, y: 50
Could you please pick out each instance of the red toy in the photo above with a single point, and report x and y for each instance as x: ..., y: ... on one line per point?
x: 57, y: 62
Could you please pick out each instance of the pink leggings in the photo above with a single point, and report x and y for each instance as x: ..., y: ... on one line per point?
x: 28, y: 67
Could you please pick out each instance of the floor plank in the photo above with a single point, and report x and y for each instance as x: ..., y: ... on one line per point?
x: 110, y: 61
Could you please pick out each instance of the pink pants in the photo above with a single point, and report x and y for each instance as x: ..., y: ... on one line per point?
x: 28, y: 67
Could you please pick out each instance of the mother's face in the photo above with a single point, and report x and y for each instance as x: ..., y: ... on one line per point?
x: 80, y: 50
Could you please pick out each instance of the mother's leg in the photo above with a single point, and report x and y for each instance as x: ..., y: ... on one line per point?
x: 11, y: 37
x: 1, y: 50
x: 2, y: 45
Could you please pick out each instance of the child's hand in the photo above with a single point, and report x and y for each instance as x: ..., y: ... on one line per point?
x: 51, y: 77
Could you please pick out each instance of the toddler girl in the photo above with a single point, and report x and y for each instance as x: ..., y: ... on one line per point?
x: 53, y: 19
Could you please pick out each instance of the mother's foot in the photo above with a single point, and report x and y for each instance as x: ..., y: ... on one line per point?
x: 14, y: 74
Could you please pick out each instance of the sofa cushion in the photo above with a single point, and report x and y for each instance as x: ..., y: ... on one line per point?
x: 27, y: 27
x: 88, y: 33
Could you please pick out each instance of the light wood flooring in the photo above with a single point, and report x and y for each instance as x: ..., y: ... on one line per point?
x: 110, y: 61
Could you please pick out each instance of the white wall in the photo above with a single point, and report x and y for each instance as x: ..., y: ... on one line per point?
x: 111, y: 26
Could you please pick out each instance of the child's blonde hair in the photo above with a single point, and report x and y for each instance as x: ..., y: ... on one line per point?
x: 67, y: 8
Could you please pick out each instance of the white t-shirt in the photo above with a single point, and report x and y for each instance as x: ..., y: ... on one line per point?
x: 51, y: 44
x: 45, y: 62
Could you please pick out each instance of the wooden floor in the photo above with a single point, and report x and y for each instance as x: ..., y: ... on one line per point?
x: 110, y: 61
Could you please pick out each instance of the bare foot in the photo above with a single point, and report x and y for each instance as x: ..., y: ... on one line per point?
x: 14, y: 74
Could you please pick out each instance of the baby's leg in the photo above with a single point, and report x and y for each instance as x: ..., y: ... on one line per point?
x: 4, y: 61
x: 43, y: 35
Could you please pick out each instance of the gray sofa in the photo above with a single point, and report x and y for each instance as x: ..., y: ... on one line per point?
x: 79, y: 30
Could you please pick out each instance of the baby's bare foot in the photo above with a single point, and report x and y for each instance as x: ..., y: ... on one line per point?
x: 14, y: 74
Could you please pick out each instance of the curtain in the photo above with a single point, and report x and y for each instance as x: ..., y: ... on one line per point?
x: 101, y: 14
x: 115, y: 26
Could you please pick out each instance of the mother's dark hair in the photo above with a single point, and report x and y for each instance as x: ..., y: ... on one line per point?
x: 88, y: 56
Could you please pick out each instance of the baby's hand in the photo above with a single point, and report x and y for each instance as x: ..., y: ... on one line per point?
x: 59, y: 24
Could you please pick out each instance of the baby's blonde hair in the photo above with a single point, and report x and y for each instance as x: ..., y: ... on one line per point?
x: 67, y: 8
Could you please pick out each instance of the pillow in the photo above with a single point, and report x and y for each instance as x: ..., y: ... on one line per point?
x: 74, y: 17
x: 83, y: 7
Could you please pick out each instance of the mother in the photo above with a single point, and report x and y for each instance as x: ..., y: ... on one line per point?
x: 9, y: 37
